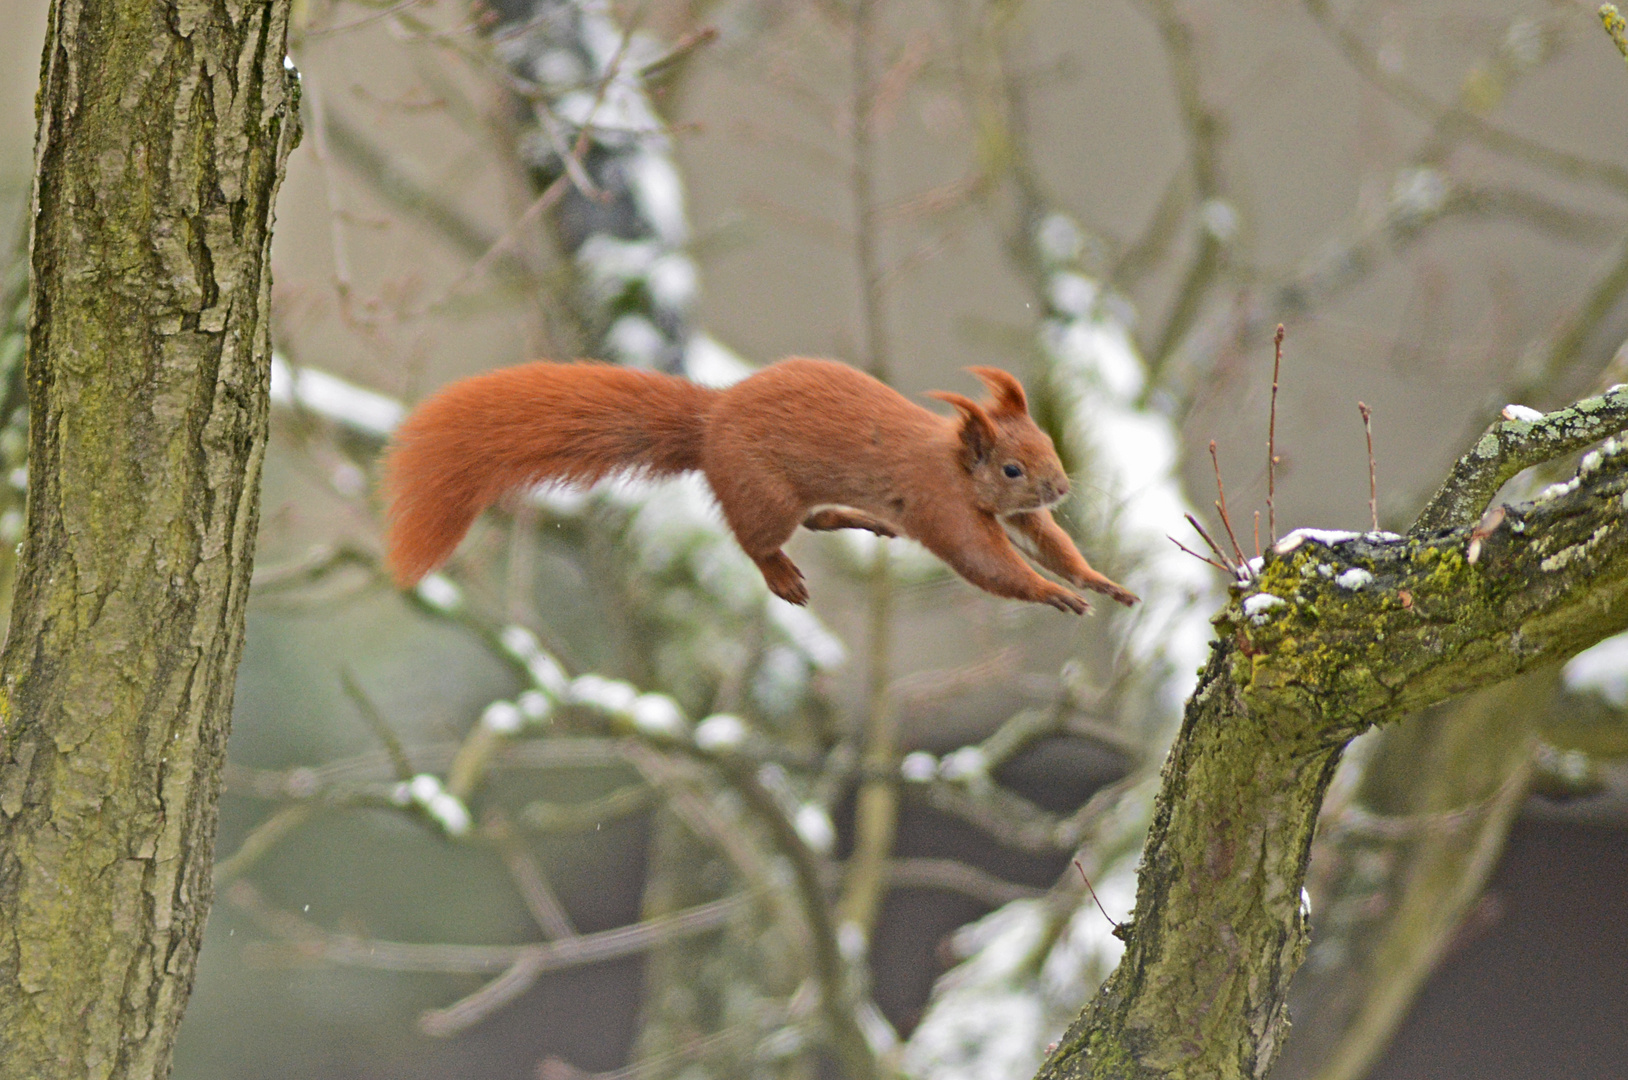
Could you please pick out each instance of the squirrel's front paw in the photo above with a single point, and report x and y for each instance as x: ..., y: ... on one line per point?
x: 1112, y: 590
x: 1064, y: 600
x: 1123, y: 595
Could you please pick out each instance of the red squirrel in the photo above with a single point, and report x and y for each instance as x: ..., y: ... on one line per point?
x: 801, y: 442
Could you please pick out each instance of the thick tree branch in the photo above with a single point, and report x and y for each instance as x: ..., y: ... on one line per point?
x: 1518, y: 442
x: 1402, y: 865
x: 1337, y: 634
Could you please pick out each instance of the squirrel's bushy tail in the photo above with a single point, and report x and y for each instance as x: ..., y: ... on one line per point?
x: 490, y: 434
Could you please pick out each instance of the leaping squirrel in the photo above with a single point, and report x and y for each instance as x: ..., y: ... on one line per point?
x: 802, y: 442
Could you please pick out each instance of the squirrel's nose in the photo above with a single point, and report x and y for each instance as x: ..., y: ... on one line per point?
x: 1062, y: 488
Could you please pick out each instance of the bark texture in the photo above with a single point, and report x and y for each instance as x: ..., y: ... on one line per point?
x: 1331, y: 638
x: 1404, y: 865
x: 164, y: 129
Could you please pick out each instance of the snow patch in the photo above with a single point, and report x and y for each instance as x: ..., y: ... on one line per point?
x: 1601, y: 669
x: 1355, y: 579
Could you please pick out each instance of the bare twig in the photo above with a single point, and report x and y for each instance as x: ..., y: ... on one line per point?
x: 1221, y: 506
x: 1577, y: 167
x: 952, y: 875
x: 354, y: 951
x: 1111, y: 921
x: 1226, y: 562
x: 377, y: 724
x: 565, y: 817
x: 396, y: 184
x: 466, y: 1012
x: 1547, y: 361
x: 1373, y: 483
x: 336, y: 232
x: 365, y: 20
x: 682, y: 49
x: 261, y: 840
x: 504, y: 243
x: 1203, y: 132
x: 541, y: 900
x: 1196, y: 555
x: 1271, y: 441
x: 877, y: 805
x: 924, y: 688
x: 1006, y: 817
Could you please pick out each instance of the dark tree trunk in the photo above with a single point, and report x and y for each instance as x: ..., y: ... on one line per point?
x: 164, y: 131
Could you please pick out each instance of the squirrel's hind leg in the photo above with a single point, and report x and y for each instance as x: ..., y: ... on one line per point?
x: 840, y: 517
x: 783, y: 577
x: 763, y: 519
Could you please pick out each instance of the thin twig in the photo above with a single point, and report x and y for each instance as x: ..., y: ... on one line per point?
x: 612, y: 69
x: 1272, y: 439
x: 264, y: 837
x: 681, y: 50
x: 391, y: 181
x: 1203, y: 131
x: 354, y: 951
x: 876, y: 808
x: 951, y: 875
x: 1093, y: 892
x: 542, y: 816
x: 503, y: 245
x: 1373, y: 484
x: 1221, y: 506
x: 1196, y: 555
x: 1495, y: 138
x: 336, y: 232
x: 1227, y: 563
x: 529, y: 880
x: 377, y: 724
x: 365, y: 20
x: 466, y: 1012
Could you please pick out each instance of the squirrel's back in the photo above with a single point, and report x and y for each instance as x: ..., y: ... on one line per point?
x: 481, y: 437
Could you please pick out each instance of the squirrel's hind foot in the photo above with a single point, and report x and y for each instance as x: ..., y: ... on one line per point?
x: 833, y: 517
x: 783, y: 577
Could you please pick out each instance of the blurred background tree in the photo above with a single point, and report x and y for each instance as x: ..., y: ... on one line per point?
x: 591, y: 802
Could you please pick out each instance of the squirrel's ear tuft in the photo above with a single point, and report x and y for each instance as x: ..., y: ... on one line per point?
x: 977, y: 429
x: 1004, y: 388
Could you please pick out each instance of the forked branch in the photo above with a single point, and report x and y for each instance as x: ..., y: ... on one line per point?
x: 1337, y: 633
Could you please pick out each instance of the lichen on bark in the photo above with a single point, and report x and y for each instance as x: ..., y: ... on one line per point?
x: 1329, y: 637
x: 163, y: 135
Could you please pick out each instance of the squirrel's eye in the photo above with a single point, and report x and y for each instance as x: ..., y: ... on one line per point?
x: 1013, y: 471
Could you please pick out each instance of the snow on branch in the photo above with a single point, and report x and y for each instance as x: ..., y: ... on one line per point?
x: 1521, y: 439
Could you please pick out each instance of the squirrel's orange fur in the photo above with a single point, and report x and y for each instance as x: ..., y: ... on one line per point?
x: 802, y: 442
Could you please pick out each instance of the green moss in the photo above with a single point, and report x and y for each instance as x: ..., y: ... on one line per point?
x: 1107, y: 1057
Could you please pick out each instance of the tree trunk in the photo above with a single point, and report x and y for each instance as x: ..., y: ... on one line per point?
x: 1403, y: 866
x: 1332, y: 636
x: 164, y: 130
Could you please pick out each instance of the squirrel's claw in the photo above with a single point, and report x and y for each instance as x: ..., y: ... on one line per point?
x: 1063, y: 600
x: 784, y: 579
x: 1109, y: 589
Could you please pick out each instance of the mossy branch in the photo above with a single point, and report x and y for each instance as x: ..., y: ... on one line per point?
x: 1616, y: 27
x: 1332, y: 638
x: 1518, y: 442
